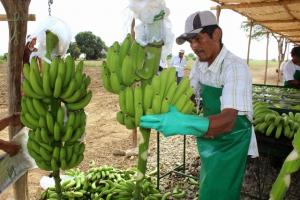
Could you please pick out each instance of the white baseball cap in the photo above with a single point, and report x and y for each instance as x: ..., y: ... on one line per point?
x: 195, y: 23
x: 181, y: 51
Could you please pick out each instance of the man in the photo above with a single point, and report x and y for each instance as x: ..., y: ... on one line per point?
x: 29, y: 48
x: 291, y: 69
x: 223, y: 133
x: 9, y: 147
x: 179, y: 63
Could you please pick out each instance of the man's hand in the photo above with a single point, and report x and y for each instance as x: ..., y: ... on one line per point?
x: 176, y: 123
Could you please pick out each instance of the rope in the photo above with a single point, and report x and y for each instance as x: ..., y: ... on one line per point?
x: 15, y: 33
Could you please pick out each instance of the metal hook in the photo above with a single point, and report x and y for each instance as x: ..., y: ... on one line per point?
x: 50, y: 2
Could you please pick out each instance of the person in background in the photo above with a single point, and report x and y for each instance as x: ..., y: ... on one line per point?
x: 29, y: 48
x: 224, y: 132
x: 9, y: 147
x: 291, y: 69
x: 179, y: 63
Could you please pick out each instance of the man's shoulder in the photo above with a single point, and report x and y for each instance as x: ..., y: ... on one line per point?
x: 233, y: 60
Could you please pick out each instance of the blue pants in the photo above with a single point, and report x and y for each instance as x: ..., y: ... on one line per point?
x: 178, y: 79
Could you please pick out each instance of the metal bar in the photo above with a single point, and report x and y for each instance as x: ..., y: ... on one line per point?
x: 157, y: 161
x: 184, y: 146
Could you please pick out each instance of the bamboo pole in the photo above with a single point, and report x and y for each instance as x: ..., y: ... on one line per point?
x: 249, y: 42
x: 267, y: 58
x: 218, y: 13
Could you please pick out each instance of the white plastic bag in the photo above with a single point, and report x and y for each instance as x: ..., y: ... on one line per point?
x: 149, y: 28
x: 12, y: 168
x: 59, y: 28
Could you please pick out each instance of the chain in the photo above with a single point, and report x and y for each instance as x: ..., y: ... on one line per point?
x: 49, y: 6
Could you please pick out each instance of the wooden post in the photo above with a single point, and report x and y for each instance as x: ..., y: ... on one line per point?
x: 218, y: 13
x: 267, y: 58
x: 249, y: 42
x: 17, y: 15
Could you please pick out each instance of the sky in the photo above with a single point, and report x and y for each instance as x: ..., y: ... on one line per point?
x: 110, y: 22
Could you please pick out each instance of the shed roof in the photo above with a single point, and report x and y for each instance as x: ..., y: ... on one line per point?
x: 279, y: 16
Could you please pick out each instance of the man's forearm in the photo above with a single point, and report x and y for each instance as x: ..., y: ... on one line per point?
x: 222, y: 122
x: 5, y: 122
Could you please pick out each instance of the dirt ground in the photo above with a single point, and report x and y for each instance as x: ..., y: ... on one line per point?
x: 104, y: 134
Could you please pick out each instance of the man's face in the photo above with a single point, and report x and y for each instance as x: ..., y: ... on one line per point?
x: 203, y: 46
x: 181, y: 55
x: 296, y: 60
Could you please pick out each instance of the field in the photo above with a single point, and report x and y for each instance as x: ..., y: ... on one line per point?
x: 104, y: 134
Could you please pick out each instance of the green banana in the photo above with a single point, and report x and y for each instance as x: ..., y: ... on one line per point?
x: 129, y: 102
x: 115, y: 83
x: 53, y: 71
x: 148, y: 96
x: 35, y: 79
x: 46, y: 80
x: 80, y: 104
x: 128, y: 75
x: 70, y: 70
x: 182, y: 86
x: 58, y: 86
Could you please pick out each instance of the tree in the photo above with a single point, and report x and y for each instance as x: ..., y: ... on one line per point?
x: 91, y: 45
x: 74, y: 50
x: 258, y: 32
x: 191, y: 56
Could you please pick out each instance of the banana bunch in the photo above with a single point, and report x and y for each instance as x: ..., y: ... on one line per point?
x: 129, y: 62
x: 53, y: 142
x: 290, y: 165
x: 53, y: 109
x: 154, y: 98
x: 60, y: 79
x: 106, y: 182
x: 269, y: 121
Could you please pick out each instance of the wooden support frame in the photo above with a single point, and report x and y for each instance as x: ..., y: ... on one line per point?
x: 31, y: 17
x: 256, y: 4
x: 17, y: 16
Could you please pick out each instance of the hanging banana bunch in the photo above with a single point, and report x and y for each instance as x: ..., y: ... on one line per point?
x: 130, y: 71
x: 53, y: 110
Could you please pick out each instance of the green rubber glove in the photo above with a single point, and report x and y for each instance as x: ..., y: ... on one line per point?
x: 176, y: 123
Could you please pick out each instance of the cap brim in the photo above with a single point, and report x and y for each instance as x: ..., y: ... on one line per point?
x: 184, y: 37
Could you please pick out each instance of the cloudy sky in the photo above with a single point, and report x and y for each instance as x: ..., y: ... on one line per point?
x: 109, y: 21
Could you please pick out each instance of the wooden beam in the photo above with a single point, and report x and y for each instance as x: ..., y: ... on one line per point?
x: 278, y: 21
x: 31, y: 17
x: 288, y: 30
x: 257, y: 4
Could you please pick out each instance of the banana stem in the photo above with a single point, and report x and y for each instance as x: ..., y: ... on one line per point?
x: 142, y: 161
x: 57, y: 184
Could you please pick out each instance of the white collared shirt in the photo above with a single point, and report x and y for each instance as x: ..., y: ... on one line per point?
x: 233, y: 75
x: 179, y: 65
x: 288, y: 70
x: 230, y: 73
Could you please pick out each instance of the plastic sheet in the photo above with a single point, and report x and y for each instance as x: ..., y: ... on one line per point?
x: 58, y: 27
x: 152, y: 24
x: 12, y: 168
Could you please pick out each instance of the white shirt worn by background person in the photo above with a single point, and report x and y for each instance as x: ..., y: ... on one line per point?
x: 179, y: 65
x: 232, y: 74
x: 163, y: 64
x: 288, y: 70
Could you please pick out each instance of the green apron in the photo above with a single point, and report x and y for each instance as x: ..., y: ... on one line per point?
x: 223, y: 159
x: 296, y: 77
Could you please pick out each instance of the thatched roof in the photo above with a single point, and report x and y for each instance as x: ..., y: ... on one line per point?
x: 279, y: 16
